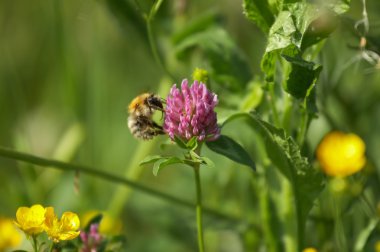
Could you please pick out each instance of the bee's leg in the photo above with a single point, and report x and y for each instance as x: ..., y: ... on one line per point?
x: 158, y: 129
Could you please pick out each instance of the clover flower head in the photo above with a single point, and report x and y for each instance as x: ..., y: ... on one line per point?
x: 61, y: 230
x: 190, y: 112
x: 341, y: 154
x: 91, y: 239
x: 31, y: 220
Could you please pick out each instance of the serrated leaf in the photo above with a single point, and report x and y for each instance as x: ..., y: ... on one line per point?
x: 165, y: 162
x: 285, y: 154
x: 302, y: 76
x: 229, y: 148
x: 259, y: 11
x: 151, y: 159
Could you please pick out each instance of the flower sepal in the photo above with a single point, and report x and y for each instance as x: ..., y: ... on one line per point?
x: 189, y: 145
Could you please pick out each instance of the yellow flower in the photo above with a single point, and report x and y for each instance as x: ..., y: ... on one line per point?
x: 107, y: 225
x: 63, y: 229
x: 309, y: 250
x: 200, y: 75
x: 341, y: 154
x: 9, y: 236
x: 31, y: 220
x: 377, y: 246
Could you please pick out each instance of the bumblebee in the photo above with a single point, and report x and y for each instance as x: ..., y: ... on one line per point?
x: 140, y: 120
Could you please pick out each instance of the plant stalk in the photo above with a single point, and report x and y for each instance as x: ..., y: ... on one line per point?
x: 199, y: 208
x: 34, y: 242
x: 54, y: 164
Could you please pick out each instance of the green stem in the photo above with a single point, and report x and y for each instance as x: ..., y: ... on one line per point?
x: 151, y: 39
x: 303, y: 127
x: 53, y: 164
x: 34, y: 242
x: 272, y: 104
x: 340, y: 237
x: 199, y: 208
x: 51, y: 247
x: 300, y: 228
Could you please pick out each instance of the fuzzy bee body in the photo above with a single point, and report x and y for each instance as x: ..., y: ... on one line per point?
x: 140, y: 120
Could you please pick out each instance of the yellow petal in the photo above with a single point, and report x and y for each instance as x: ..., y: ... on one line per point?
x: 68, y: 235
x: 31, y: 220
x: 50, y: 217
x: 70, y: 221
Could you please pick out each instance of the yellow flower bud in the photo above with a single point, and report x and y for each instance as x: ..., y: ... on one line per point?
x: 341, y: 154
x: 64, y: 229
x: 9, y: 236
x: 31, y: 220
x: 200, y: 75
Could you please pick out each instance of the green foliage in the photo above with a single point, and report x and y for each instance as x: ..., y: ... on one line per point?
x: 259, y: 12
x: 229, y: 148
x: 229, y: 66
x: 297, y: 27
x: 108, y: 52
x: 285, y: 154
x: 302, y: 77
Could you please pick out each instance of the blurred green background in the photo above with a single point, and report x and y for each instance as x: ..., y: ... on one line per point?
x: 68, y: 69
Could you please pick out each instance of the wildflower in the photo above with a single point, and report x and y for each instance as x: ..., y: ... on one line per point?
x: 200, y: 75
x: 309, y: 250
x: 63, y: 229
x: 9, y: 236
x: 190, y: 112
x: 31, y: 220
x: 92, y: 239
x: 341, y: 154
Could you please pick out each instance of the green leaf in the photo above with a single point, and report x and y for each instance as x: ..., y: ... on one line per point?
x: 151, y: 159
x: 162, y: 163
x: 253, y: 97
x: 302, y: 76
x: 364, y: 235
x: 227, y: 147
x: 319, y: 29
x: 127, y: 15
x: 229, y: 65
x: 200, y: 23
x: 285, y: 154
x: 259, y: 12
